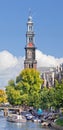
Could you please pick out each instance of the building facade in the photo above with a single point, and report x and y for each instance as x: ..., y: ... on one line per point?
x: 30, y: 61
x: 51, y: 75
x: 48, y: 78
x: 59, y: 73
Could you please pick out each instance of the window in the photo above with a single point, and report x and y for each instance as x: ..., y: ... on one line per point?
x: 30, y: 28
x: 30, y: 65
x: 30, y: 39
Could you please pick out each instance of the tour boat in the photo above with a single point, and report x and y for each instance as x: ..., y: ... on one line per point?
x: 16, y: 118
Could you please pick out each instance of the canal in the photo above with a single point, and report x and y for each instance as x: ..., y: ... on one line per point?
x: 29, y: 125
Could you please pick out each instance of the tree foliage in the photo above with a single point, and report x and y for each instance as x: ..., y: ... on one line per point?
x: 26, y: 90
x: 52, y: 96
x: 3, y: 97
x: 13, y: 95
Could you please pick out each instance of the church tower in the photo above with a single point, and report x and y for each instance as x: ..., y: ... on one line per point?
x: 30, y: 48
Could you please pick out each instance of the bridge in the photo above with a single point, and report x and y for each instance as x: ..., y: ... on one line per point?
x: 7, y: 109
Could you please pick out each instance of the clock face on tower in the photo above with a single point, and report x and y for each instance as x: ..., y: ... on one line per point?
x: 29, y: 54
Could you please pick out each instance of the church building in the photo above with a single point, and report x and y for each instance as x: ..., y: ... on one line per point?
x: 30, y: 61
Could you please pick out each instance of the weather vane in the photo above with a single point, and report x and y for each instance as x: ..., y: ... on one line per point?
x: 29, y: 11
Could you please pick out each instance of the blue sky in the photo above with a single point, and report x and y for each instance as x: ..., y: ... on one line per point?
x: 48, y: 25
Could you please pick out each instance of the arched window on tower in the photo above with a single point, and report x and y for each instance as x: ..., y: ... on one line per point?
x: 30, y: 39
x: 30, y: 65
x: 30, y: 28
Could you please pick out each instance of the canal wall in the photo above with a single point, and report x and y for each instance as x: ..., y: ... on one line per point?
x: 57, y: 127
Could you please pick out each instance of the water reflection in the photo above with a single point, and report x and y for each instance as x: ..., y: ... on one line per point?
x: 5, y: 125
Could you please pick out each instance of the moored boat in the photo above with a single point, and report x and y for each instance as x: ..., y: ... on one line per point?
x: 36, y: 119
x: 16, y: 118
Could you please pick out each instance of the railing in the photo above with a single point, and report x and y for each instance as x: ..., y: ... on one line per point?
x: 7, y: 109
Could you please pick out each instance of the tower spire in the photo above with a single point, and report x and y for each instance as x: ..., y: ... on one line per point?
x: 29, y: 11
x: 30, y: 61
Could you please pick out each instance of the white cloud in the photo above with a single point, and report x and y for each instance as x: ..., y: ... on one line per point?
x: 10, y: 66
x: 7, y: 60
x: 47, y: 60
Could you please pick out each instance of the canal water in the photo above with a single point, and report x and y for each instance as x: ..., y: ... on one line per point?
x: 5, y: 125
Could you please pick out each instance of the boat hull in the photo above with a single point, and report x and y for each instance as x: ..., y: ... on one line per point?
x: 16, y: 118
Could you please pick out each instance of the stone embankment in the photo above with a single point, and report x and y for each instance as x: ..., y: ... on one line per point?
x: 57, y: 127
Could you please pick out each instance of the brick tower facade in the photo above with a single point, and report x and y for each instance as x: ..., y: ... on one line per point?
x: 30, y: 48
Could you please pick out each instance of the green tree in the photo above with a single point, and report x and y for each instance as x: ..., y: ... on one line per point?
x: 26, y: 89
x: 44, y: 98
x: 3, y: 96
x: 11, y: 82
x: 13, y: 95
x: 52, y: 97
x: 29, y: 82
x: 59, y: 95
x: 47, y: 97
